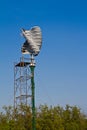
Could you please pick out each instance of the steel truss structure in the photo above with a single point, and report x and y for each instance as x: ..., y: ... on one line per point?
x: 22, y: 82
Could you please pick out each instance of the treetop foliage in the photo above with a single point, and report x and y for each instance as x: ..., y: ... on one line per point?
x: 47, y: 118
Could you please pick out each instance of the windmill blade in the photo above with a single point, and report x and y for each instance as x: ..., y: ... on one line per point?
x: 33, y: 41
x: 24, y: 48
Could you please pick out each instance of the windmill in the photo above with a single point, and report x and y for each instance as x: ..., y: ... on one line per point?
x: 32, y: 46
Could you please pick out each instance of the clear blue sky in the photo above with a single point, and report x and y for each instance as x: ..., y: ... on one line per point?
x: 61, y: 71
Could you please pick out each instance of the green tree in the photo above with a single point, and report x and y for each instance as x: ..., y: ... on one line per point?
x: 47, y: 118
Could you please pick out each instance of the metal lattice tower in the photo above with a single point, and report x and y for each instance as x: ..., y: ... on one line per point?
x: 22, y: 85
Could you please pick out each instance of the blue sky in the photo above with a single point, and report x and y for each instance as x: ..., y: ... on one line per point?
x: 61, y: 70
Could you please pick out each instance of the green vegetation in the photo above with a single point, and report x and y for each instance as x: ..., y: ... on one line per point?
x: 47, y: 118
